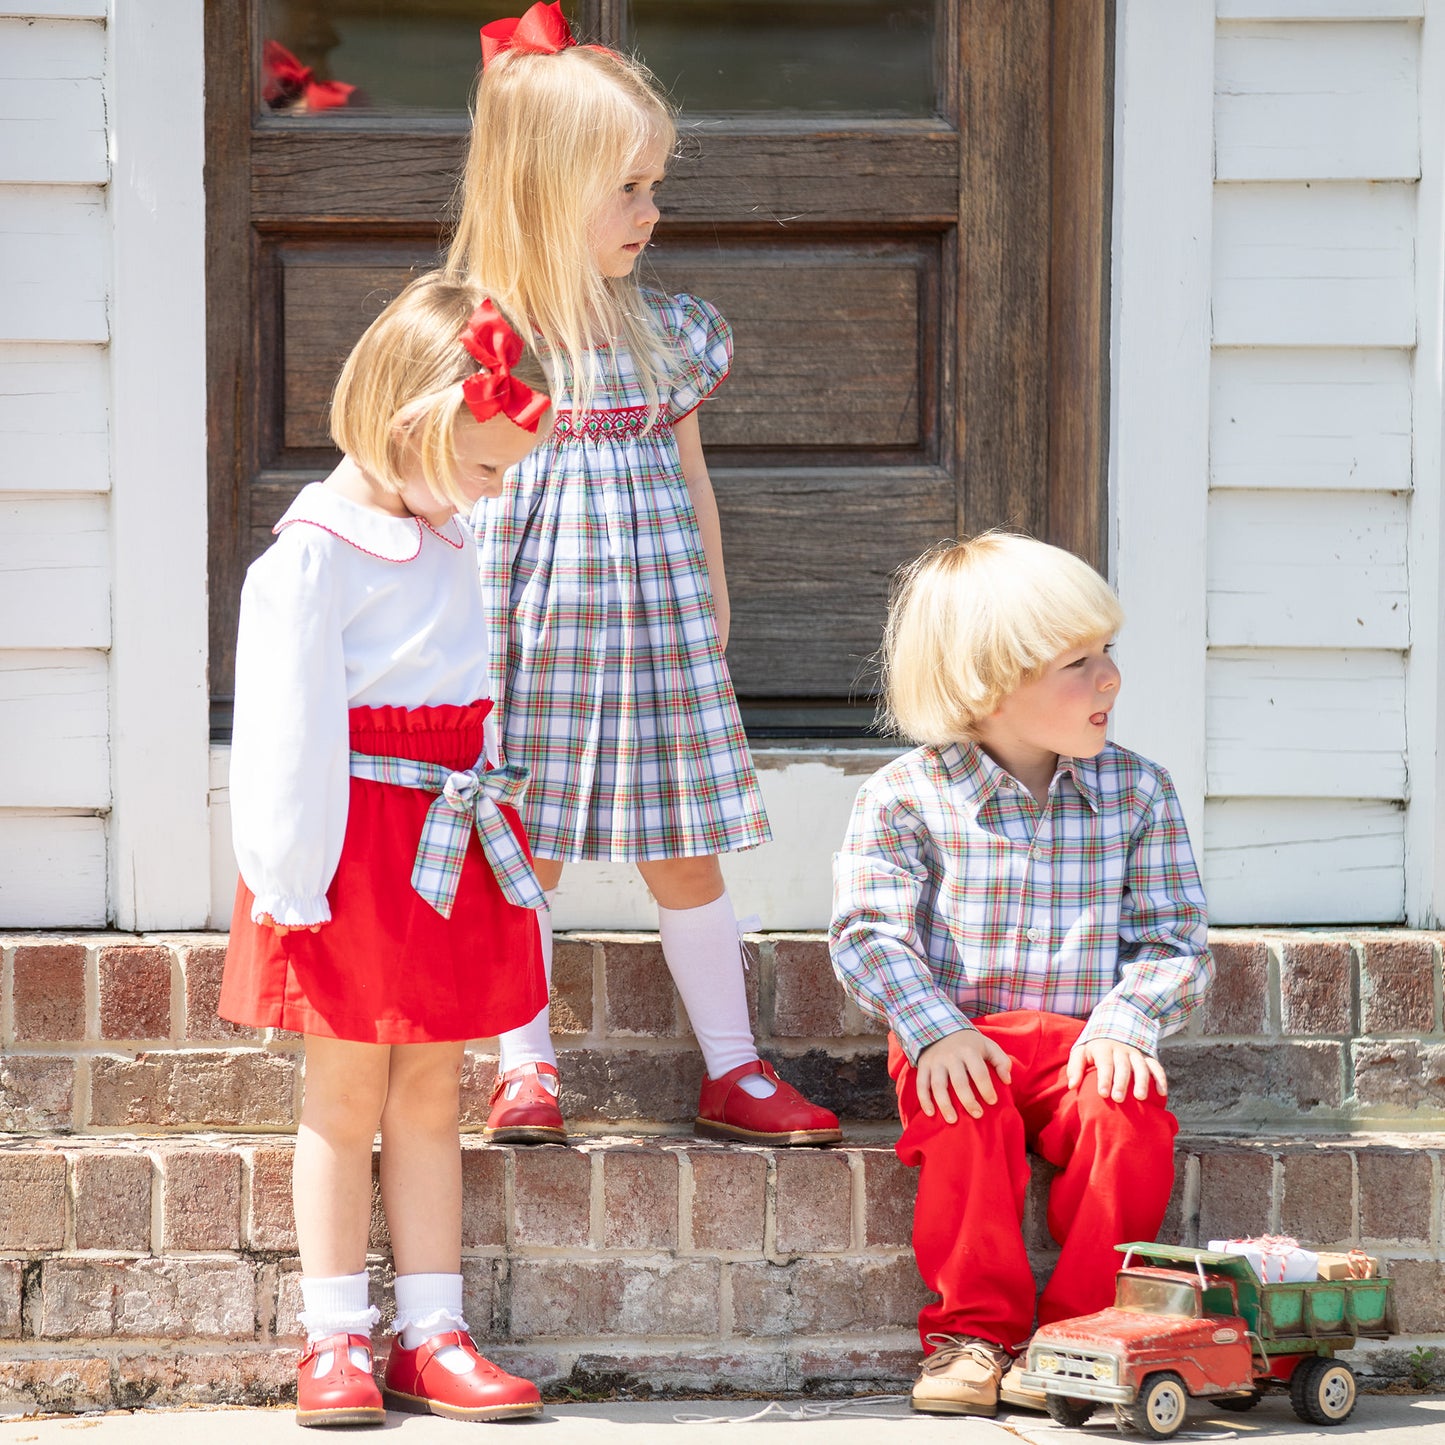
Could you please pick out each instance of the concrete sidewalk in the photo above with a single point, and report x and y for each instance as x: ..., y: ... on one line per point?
x: 1384, y: 1419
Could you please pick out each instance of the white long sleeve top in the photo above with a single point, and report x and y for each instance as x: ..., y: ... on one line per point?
x: 347, y: 608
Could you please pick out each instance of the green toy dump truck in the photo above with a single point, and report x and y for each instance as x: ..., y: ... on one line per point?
x: 1192, y: 1323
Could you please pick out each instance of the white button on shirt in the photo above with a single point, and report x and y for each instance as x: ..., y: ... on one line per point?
x: 347, y: 608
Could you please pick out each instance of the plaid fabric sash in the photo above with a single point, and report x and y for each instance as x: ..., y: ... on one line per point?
x: 465, y: 800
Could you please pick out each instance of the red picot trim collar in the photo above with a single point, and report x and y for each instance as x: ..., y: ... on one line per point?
x: 388, y: 539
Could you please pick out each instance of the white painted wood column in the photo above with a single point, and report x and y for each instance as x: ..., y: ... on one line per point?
x: 160, y: 849
x: 1425, y: 675
x: 1160, y: 338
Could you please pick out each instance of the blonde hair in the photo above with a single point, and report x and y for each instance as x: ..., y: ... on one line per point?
x: 411, y: 359
x: 971, y: 621
x: 553, y: 136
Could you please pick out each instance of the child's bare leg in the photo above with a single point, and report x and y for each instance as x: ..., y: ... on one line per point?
x: 421, y: 1160
x: 679, y: 883
x: 346, y: 1086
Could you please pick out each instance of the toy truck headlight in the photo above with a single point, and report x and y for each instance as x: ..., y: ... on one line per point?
x: 1104, y: 1371
x: 1046, y: 1363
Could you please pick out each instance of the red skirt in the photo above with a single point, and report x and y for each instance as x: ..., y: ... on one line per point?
x: 388, y: 968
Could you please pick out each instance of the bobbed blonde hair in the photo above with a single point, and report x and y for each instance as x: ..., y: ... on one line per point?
x: 971, y: 621
x: 553, y: 137
x: 400, y: 387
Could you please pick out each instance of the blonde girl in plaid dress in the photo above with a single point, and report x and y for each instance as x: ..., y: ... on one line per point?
x: 602, y: 558
x: 385, y: 903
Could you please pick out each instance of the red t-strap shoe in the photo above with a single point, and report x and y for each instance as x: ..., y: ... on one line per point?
x: 785, y: 1117
x: 416, y: 1381
x: 341, y: 1393
x: 532, y: 1116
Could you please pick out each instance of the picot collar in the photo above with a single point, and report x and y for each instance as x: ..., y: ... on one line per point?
x: 967, y: 765
x: 391, y: 539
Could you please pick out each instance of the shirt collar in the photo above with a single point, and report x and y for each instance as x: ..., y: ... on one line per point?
x: 392, y: 539
x: 968, y: 766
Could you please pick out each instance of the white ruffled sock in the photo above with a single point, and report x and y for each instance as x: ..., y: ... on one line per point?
x: 705, y: 957
x: 532, y: 1043
x: 428, y: 1305
x: 337, y: 1305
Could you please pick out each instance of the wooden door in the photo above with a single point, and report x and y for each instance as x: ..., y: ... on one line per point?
x: 901, y: 206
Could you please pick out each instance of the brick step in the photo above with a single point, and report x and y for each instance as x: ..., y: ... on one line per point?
x: 108, y: 1032
x: 164, y: 1271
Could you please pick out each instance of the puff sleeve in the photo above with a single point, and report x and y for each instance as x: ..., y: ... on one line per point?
x: 702, y: 353
x: 290, y: 756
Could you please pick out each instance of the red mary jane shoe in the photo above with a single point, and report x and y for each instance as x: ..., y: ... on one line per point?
x: 344, y: 1394
x: 417, y: 1382
x: 532, y: 1116
x: 784, y: 1117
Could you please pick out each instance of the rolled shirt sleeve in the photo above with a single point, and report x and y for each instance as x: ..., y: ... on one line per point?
x: 1165, y: 967
x: 290, y: 755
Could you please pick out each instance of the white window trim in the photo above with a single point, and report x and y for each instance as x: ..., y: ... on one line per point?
x: 1160, y: 354
x: 159, y: 839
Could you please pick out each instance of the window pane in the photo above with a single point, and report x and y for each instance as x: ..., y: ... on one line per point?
x: 844, y: 57
x: 397, y: 57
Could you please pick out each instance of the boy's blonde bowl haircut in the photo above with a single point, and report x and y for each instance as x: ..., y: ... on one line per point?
x: 553, y: 137
x: 971, y: 621
x: 412, y: 356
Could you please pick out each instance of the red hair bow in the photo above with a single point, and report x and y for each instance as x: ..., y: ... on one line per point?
x: 285, y: 80
x: 493, y: 390
x: 543, y: 30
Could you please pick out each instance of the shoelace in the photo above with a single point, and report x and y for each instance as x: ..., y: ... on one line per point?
x: 956, y: 1347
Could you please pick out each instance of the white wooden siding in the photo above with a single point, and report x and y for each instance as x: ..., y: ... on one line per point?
x: 1316, y: 101
x: 53, y: 249
x: 52, y: 9
x: 1330, y: 419
x: 54, y: 419
x: 1320, y: 9
x: 1315, y: 861
x: 1299, y: 724
x: 52, y: 870
x: 54, y: 572
x: 1312, y: 448
x: 1308, y: 569
x: 1323, y: 264
x: 55, y: 719
x: 52, y: 106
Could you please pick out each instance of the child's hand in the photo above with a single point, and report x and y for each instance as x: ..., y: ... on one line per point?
x: 282, y: 929
x: 1116, y: 1064
x: 962, y: 1060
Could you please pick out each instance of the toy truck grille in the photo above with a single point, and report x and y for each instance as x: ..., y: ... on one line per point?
x: 1079, y: 1365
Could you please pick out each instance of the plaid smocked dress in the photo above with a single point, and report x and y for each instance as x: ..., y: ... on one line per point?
x: 606, y: 666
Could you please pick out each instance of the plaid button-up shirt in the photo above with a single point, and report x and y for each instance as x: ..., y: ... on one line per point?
x: 957, y: 894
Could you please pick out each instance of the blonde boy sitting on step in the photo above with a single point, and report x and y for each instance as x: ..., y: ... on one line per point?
x: 1017, y: 897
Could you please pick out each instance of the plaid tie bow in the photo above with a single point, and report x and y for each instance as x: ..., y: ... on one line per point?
x: 466, y: 799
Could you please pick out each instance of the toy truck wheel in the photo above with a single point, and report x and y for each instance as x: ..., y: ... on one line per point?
x: 1064, y: 1411
x: 1322, y: 1391
x: 1159, y: 1408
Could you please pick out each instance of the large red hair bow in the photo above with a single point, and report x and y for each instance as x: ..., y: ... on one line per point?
x: 543, y: 30
x: 494, y: 389
x: 284, y: 80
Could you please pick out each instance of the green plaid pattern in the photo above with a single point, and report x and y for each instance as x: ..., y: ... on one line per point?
x: 465, y: 800
x: 611, y: 687
x: 955, y: 893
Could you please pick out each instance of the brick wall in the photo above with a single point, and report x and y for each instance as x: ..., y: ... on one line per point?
x: 147, y: 1252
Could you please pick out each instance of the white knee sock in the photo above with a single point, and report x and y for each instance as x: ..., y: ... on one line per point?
x: 532, y: 1043
x: 336, y: 1305
x: 428, y: 1305
x: 705, y: 959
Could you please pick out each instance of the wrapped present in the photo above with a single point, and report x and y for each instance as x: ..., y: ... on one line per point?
x: 1275, y: 1258
x: 1354, y: 1265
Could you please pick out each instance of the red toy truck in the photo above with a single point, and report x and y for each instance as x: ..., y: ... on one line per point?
x: 1189, y: 1322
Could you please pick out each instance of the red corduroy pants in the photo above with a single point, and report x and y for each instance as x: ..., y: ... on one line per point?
x: 1116, y: 1165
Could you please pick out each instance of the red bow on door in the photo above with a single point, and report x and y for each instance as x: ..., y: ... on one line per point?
x: 284, y: 79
